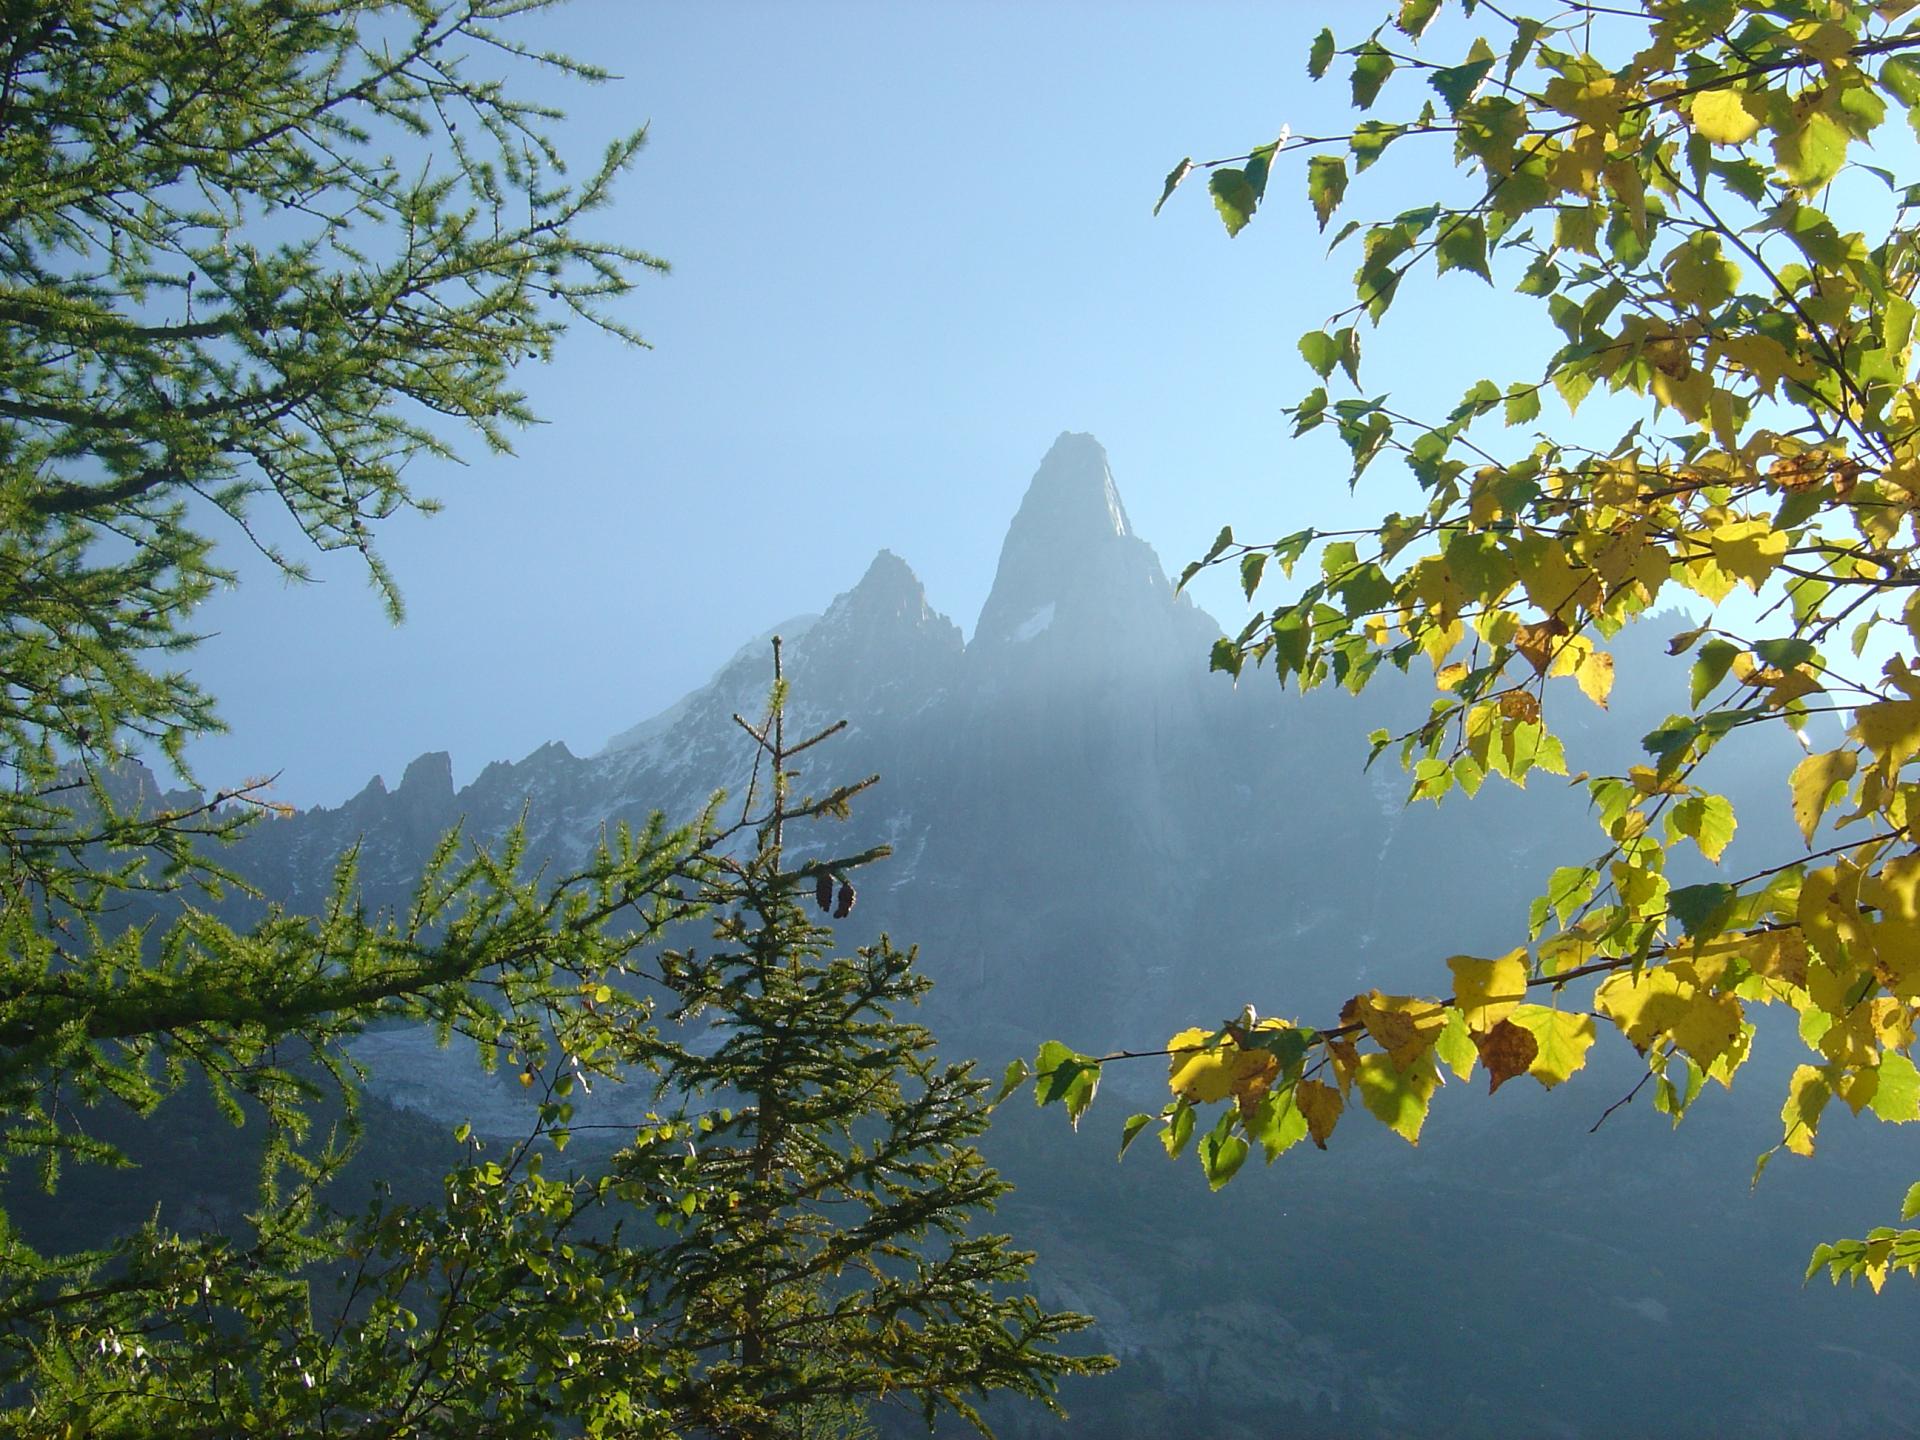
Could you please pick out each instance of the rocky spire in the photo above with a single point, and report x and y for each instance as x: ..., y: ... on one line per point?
x: 1074, y: 577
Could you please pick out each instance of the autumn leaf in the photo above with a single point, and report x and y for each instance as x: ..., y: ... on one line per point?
x: 1657, y: 1003
x: 1402, y: 1025
x: 1321, y: 1105
x: 1538, y: 641
x: 1561, y: 1041
x: 1748, y: 550
x: 1488, y: 990
x: 1636, y: 197
x: 1807, y: 1095
x: 1204, y: 1074
x: 1817, y: 782
x: 1397, y: 1098
x: 1889, y: 728
x: 1506, y: 1050
x: 1726, y: 117
x: 1595, y: 676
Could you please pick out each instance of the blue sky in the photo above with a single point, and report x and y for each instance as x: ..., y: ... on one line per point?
x: 910, y: 245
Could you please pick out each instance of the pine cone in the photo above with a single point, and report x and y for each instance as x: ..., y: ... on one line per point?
x: 823, y: 891
x: 845, y: 907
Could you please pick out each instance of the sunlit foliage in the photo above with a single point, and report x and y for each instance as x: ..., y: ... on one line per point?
x: 1691, y: 192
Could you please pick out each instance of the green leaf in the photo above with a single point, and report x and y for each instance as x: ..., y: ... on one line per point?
x: 1320, y: 351
x: 1398, y: 1098
x: 1371, y: 67
x: 1233, y: 197
x: 1017, y: 1073
x: 1288, y: 1044
x: 1226, y: 656
x: 1523, y: 404
x: 1251, y: 564
x: 1065, y: 1076
x: 1222, y: 1153
x: 1415, y: 16
x: 1462, y: 245
x: 1457, y: 83
x: 1716, y: 657
x: 1707, y: 820
x: 1277, y: 1124
x: 1910, y: 1206
x: 1326, y: 185
x: 1179, y: 1129
x: 1455, y: 1047
x: 1699, y: 275
x: 1701, y: 909
x: 1321, y: 55
x: 1542, y: 277
x: 1896, y: 1097
x: 1813, y: 154
x: 1568, y: 888
x: 1349, y: 342
x: 1135, y: 1124
x: 1174, y: 177
x: 1258, y: 163
x: 1900, y: 78
x: 1369, y: 141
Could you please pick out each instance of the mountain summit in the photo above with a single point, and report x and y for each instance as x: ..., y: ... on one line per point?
x: 1077, y: 591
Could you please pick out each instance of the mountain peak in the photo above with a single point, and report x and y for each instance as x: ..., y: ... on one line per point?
x: 1073, y: 494
x: 1072, y: 567
x: 888, y: 578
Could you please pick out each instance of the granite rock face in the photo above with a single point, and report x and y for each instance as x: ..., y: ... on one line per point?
x: 1089, y: 830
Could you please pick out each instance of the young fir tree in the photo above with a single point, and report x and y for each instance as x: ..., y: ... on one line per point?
x: 825, y: 1186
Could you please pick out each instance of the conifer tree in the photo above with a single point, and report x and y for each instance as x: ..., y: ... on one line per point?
x: 823, y: 1247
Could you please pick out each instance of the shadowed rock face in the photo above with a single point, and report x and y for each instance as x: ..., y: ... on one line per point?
x: 1096, y: 840
x: 1089, y: 829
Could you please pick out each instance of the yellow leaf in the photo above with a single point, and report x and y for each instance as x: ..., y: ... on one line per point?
x: 1205, y: 1076
x: 1488, y: 990
x: 1595, y: 676
x: 1397, y: 1098
x: 1786, y: 686
x: 1658, y: 1002
x: 1723, y: 117
x: 1404, y: 1026
x: 1321, y: 1104
x: 1562, y: 1037
x: 1823, y: 40
x: 1891, y: 729
x: 1733, y: 1057
x: 1813, y: 783
x: 1807, y: 1095
x: 1705, y: 578
x: 1708, y: 1027
x: 1780, y: 955
x: 1748, y: 550
x: 1764, y: 358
